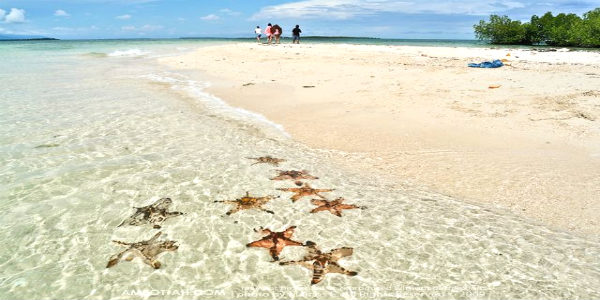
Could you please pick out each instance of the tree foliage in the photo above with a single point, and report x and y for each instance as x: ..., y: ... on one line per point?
x: 560, y: 30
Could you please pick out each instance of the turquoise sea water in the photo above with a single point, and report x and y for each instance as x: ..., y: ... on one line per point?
x: 90, y: 129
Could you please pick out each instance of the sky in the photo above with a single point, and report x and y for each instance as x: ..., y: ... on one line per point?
x: 426, y: 19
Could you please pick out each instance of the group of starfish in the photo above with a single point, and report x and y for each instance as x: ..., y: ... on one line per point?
x: 319, y: 262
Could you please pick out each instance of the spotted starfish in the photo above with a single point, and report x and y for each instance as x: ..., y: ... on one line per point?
x: 293, y: 175
x: 267, y: 160
x: 322, y: 263
x: 276, y: 241
x: 146, y: 250
x: 335, y: 206
x: 154, y: 214
x: 248, y: 202
x: 305, y: 190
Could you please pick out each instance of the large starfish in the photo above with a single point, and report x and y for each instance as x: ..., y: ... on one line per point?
x: 147, y: 250
x: 276, y: 241
x: 267, y: 160
x: 154, y: 214
x: 335, y: 206
x: 248, y: 202
x: 305, y: 190
x: 293, y: 175
x: 322, y: 263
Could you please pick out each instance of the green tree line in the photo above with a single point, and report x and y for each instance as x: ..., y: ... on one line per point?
x: 565, y: 30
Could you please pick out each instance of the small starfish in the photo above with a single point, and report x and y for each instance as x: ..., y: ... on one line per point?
x: 322, y: 263
x: 305, y: 190
x: 335, y: 206
x: 248, y: 202
x: 154, y: 214
x: 147, y: 250
x: 276, y: 241
x: 267, y: 160
x: 293, y: 175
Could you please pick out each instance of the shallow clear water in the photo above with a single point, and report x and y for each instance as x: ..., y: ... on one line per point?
x: 89, y: 130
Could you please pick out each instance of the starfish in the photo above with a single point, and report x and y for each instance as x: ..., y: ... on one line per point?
x: 322, y: 263
x: 276, y: 241
x: 147, y: 250
x: 305, y: 190
x: 293, y: 175
x: 248, y: 202
x: 267, y: 160
x: 154, y: 214
x: 335, y: 206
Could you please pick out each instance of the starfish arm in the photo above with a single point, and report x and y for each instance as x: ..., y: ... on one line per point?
x: 293, y: 190
x: 335, y: 268
x: 336, y: 212
x: 234, y: 210
x: 156, y: 236
x: 174, y: 214
x: 341, y: 252
x: 318, y: 202
x: 267, y: 211
x: 226, y: 201
x: 347, y: 206
x: 318, y: 273
x: 116, y: 258
x: 296, y: 197
x: 266, y: 242
x: 289, y: 232
x: 292, y: 243
x: 162, y: 203
x: 122, y: 243
x: 324, y: 190
x: 318, y: 209
x: 306, y: 264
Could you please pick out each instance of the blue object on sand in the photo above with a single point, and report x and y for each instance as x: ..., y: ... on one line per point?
x: 486, y: 64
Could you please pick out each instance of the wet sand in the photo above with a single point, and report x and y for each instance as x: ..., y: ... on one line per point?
x: 531, y: 145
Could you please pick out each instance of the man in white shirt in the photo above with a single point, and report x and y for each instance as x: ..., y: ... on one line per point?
x: 258, y: 33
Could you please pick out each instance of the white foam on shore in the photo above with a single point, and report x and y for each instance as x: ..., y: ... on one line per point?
x: 197, y: 89
x: 128, y: 53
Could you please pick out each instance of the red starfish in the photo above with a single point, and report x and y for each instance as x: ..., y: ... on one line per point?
x: 276, y: 241
x: 335, y: 206
x: 305, y: 190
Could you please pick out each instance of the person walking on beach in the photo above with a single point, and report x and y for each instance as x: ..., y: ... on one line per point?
x: 296, y: 35
x: 258, y: 33
x: 277, y: 31
x: 268, y: 33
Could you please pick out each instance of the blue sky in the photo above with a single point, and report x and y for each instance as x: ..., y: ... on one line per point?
x: 71, y: 19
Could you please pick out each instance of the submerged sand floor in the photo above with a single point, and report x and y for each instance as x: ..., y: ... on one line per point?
x: 531, y: 146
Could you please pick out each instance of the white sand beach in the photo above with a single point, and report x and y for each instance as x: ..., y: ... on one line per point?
x: 530, y: 145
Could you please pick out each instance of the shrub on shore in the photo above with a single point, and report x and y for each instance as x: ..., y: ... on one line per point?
x: 565, y: 30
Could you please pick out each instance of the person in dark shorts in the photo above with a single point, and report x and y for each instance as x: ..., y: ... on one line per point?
x: 296, y: 35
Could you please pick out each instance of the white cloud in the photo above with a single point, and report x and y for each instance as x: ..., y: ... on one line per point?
x: 61, y: 13
x: 123, y: 17
x: 142, y: 29
x: 15, y: 15
x: 229, y: 12
x: 211, y: 17
x: 347, y: 9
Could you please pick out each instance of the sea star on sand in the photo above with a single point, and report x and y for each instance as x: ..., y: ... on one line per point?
x: 147, y: 250
x: 276, y: 241
x: 267, y: 160
x: 154, y: 214
x: 335, y: 206
x: 293, y: 175
x: 305, y: 190
x: 322, y: 263
x: 248, y: 202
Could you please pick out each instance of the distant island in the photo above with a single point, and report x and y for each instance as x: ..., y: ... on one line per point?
x: 5, y: 37
x: 564, y: 30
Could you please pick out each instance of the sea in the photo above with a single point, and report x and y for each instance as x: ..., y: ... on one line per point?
x: 90, y: 130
